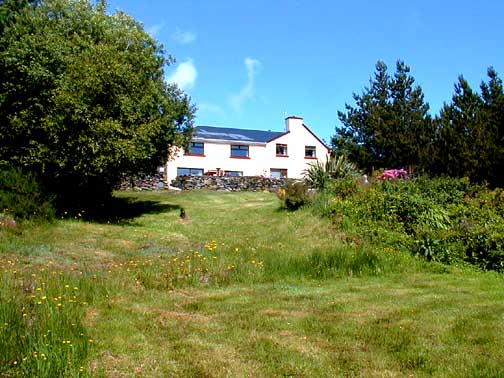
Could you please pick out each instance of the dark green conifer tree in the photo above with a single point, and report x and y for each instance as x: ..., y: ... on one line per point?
x: 389, y: 125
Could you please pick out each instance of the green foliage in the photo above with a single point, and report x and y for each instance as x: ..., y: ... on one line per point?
x: 446, y: 220
x: 485, y: 248
x: 21, y: 196
x: 294, y: 195
x: 319, y: 174
x: 471, y: 132
x: 389, y: 126
x: 83, y: 98
x: 463, y: 138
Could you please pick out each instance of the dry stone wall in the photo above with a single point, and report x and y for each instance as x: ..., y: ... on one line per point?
x: 154, y: 182
x: 229, y: 184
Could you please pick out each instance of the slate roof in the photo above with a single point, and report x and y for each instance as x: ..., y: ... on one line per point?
x: 232, y: 134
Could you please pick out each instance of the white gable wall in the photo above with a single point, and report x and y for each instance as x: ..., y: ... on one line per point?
x: 296, y: 139
x: 262, y: 156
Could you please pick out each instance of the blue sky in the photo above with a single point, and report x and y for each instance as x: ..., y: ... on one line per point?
x: 247, y: 64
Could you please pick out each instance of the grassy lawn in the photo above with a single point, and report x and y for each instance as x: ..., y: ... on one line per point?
x: 240, y: 288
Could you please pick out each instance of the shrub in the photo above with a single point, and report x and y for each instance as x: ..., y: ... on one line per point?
x: 21, y: 197
x: 345, y: 187
x: 294, y: 195
x: 485, y: 248
x: 319, y: 175
x: 444, y: 219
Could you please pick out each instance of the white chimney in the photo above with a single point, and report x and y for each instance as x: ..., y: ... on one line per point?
x: 293, y: 123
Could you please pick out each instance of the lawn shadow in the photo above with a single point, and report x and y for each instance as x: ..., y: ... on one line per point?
x: 285, y: 209
x: 123, y: 211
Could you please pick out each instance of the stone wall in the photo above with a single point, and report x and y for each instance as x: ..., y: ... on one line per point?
x: 154, y: 182
x: 230, y: 184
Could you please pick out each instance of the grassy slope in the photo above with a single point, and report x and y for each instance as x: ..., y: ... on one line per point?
x: 246, y: 303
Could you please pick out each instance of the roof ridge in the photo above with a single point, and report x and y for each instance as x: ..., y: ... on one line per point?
x: 239, y: 128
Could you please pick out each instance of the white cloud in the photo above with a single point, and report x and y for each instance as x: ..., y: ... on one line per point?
x: 247, y: 90
x: 185, y: 75
x: 183, y: 37
x: 155, y: 29
x: 210, y: 108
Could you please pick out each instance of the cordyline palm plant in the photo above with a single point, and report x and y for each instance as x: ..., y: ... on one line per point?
x: 320, y: 174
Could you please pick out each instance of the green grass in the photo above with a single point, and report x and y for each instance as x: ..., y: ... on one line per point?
x: 239, y: 288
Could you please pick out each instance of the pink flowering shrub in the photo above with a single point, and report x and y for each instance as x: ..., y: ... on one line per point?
x: 393, y: 174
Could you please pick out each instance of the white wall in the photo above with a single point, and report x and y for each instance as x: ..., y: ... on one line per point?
x: 298, y: 137
x: 262, y: 157
x: 218, y: 155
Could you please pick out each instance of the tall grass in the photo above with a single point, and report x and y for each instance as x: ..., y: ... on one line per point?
x: 41, y: 328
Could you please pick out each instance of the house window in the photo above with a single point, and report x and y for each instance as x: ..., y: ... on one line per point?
x: 233, y: 173
x: 281, y: 149
x: 189, y: 171
x: 196, y: 148
x: 310, y: 152
x: 239, y: 151
x: 278, y: 173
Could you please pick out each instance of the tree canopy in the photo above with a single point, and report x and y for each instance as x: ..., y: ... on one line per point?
x: 389, y: 126
x: 83, y: 98
x: 470, y: 132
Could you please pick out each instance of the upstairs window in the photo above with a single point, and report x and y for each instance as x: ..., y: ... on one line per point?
x: 310, y: 152
x: 239, y: 151
x: 196, y: 148
x: 281, y: 149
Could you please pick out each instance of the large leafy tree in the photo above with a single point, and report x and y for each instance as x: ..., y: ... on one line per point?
x: 83, y: 98
x: 389, y: 126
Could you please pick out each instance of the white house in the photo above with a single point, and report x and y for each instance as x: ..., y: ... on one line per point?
x: 240, y: 152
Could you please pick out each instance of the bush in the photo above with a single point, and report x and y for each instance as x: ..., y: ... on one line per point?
x: 443, y: 219
x: 320, y: 175
x: 294, y: 195
x: 485, y: 248
x: 21, y: 197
